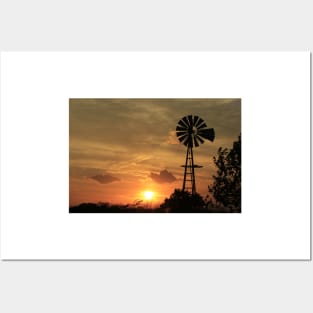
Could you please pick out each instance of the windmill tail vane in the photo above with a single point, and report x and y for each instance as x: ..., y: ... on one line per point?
x: 192, y: 131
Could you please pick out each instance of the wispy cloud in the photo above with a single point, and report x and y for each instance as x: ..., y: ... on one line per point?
x: 172, y: 138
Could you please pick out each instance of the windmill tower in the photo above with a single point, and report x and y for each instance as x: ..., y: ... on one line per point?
x: 192, y: 131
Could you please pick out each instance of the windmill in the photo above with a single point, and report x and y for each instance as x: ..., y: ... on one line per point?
x: 192, y: 131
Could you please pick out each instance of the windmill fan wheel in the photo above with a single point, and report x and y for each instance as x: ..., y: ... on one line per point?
x: 192, y: 131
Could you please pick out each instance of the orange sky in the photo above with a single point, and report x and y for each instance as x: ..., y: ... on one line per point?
x: 118, y: 148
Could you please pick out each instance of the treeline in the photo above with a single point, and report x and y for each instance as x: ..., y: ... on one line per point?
x: 106, y: 208
x: 171, y: 205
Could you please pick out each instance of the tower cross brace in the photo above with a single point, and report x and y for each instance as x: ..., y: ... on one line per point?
x: 189, y: 183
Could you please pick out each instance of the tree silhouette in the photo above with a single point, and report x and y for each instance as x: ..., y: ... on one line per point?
x: 226, y: 187
x: 184, y: 202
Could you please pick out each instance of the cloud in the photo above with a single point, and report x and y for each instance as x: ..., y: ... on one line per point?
x: 76, y: 171
x: 104, y: 179
x: 96, y: 174
x: 172, y: 138
x: 163, y: 177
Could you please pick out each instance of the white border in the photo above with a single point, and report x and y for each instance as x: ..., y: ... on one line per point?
x: 275, y: 92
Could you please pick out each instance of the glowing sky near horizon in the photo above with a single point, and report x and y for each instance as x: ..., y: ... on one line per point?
x: 120, y: 148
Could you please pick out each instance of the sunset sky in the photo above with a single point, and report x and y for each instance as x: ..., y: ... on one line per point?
x: 121, y: 148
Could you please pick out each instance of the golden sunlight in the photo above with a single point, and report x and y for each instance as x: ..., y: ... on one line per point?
x: 148, y: 195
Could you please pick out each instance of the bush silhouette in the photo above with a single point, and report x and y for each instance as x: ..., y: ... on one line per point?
x: 184, y: 202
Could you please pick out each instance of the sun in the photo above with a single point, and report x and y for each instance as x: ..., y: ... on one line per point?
x: 148, y: 194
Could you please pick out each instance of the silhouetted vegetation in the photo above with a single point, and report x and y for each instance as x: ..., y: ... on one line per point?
x: 226, y: 187
x: 108, y: 208
x: 184, y: 202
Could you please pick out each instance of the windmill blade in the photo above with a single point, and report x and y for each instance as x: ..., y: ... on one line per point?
x: 182, y: 138
x: 178, y: 134
x: 188, y: 141
x: 203, y: 132
x: 196, y: 141
x: 199, y: 121
x: 195, y: 120
x: 179, y: 128
x: 182, y: 124
x: 184, y: 119
x: 208, y: 134
x: 190, y: 120
x: 201, y: 126
x: 199, y: 138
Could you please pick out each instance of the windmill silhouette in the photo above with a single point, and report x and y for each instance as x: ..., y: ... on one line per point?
x: 192, y: 131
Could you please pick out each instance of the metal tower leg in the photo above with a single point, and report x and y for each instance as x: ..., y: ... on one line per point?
x: 193, y: 180
x: 189, y: 183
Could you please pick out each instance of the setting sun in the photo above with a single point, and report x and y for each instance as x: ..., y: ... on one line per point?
x: 148, y: 195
